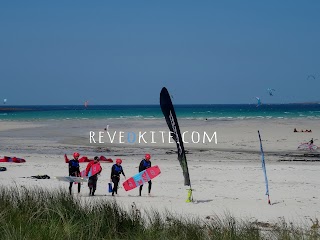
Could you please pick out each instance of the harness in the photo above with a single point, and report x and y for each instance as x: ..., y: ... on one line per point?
x: 146, y: 163
x: 73, y: 167
x: 74, y: 163
x: 118, y: 170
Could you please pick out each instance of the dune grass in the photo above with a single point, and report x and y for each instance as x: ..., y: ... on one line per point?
x: 41, y: 214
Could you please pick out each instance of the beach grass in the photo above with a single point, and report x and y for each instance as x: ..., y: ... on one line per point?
x: 41, y: 214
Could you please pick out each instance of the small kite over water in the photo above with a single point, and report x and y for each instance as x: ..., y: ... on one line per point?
x: 259, y: 101
x: 270, y: 91
x: 4, y: 101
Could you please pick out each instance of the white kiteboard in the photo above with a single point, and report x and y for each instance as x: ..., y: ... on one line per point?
x: 72, y: 179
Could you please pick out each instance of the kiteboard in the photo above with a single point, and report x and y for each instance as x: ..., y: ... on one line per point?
x: 95, y: 169
x: 72, y: 179
x: 307, y: 146
x: 141, y: 178
x: 83, y: 173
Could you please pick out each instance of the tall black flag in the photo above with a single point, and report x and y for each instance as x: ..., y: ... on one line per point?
x: 171, y: 118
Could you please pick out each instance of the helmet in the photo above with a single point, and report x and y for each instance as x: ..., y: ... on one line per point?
x: 76, y: 154
x: 119, y: 161
x: 96, y: 158
x: 147, y: 156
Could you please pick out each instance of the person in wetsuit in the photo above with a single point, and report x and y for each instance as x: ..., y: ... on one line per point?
x: 116, y: 170
x: 74, y: 170
x: 144, y: 164
x: 92, y: 182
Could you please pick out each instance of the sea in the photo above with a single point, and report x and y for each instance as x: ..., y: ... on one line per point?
x: 201, y: 111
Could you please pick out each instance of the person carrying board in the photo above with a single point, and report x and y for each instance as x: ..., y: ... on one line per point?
x: 144, y: 164
x: 74, y: 170
x: 92, y: 171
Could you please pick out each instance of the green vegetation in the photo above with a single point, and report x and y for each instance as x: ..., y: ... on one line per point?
x: 41, y: 214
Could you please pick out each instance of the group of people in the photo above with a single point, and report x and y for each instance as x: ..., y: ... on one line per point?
x: 116, y: 171
x: 295, y: 130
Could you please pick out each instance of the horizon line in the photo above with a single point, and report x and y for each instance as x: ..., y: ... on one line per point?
x: 177, y: 104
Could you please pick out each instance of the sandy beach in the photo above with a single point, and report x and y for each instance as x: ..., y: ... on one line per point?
x: 226, y: 177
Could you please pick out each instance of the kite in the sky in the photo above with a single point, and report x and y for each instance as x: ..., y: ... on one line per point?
x: 4, y: 101
x: 270, y: 91
x: 310, y: 77
x: 259, y: 101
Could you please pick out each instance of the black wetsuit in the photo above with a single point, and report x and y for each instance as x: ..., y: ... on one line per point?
x: 74, y: 170
x: 92, y: 184
x: 116, y: 170
x: 144, y: 164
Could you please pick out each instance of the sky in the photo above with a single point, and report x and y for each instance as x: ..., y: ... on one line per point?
x: 124, y: 52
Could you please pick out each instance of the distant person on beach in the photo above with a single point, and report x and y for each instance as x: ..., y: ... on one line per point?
x: 295, y: 130
x: 116, y: 170
x: 144, y: 164
x: 92, y: 182
x: 74, y: 170
x: 311, y: 141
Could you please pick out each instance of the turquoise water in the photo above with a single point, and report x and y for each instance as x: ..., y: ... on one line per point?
x: 227, y: 112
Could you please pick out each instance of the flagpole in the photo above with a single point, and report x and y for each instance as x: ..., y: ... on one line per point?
x: 264, y: 169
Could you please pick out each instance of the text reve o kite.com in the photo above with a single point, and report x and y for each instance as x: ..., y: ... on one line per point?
x: 188, y: 137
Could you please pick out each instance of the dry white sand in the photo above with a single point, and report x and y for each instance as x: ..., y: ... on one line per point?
x: 227, y: 177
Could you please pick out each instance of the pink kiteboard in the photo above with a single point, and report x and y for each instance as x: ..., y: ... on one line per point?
x: 95, y: 169
x: 141, y: 178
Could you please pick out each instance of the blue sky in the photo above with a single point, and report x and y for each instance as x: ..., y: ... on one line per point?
x: 124, y: 52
